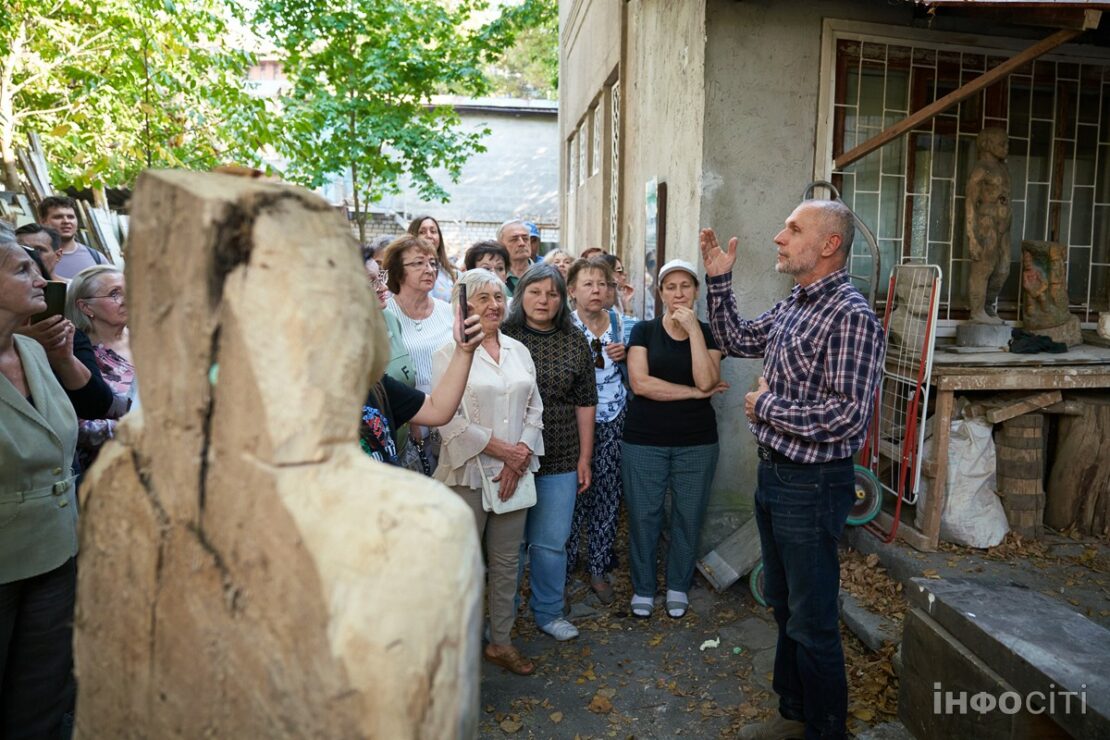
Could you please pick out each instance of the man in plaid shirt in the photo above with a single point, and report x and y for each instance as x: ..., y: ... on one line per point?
x: 823, y: 353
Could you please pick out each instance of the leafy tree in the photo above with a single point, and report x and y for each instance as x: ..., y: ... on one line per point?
x: 114, y: 86
x: 530, y: 68
x: 362, y: 74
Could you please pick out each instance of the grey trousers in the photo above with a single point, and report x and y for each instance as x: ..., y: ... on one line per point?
x: 501, y: 535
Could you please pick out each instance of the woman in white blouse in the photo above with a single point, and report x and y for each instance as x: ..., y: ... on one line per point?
x: 503, y: 435
x: 412, y: 268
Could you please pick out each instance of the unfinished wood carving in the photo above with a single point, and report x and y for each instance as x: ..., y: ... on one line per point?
x: 245, y: 570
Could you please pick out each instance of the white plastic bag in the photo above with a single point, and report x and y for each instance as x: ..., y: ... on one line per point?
x: 973, y: 515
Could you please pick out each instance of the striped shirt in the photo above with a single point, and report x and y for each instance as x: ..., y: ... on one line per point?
x: 823, y: 353
x: 423, y: 337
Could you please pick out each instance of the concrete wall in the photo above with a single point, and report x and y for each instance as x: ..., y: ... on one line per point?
x: 590, y: 52
x: 516, y: 177
x: 663, y: 84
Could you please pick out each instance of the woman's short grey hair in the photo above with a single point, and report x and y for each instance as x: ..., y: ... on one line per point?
x: 549, y: 258
x: 474, y: 279
x: 85, y: 285
x: 535, y: 274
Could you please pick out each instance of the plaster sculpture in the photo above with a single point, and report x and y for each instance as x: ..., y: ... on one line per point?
x: 988, y: 218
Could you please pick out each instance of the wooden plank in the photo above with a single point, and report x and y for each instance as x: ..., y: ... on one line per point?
x: 1024, y: 406
x: 734, y: 557
x: 906, y: 532
x: 1064, y: 408
x: 934, y: 502
x: 937, y: 107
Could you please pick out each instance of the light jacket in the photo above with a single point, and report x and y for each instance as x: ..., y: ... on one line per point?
x: 38, y: 500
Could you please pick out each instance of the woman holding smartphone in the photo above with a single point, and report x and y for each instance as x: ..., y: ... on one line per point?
x: 498, y: 434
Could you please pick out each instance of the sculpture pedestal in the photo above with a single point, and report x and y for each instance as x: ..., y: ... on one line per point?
x: 971, y: 334
x: 1067, y: 332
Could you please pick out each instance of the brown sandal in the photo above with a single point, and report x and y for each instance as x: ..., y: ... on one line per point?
x: 511, y: 660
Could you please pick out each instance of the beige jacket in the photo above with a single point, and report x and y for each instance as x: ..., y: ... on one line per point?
x: 502, y: 400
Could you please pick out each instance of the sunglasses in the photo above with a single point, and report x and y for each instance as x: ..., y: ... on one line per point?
x: 599, y: 360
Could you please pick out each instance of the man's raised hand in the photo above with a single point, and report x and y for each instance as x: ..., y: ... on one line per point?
x: 716, y: 260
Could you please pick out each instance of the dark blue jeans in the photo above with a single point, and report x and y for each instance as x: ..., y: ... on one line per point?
x: 800, y: 511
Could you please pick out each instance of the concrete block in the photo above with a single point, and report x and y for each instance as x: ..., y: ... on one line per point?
x: 1032, y: 642
x: 874, y: 630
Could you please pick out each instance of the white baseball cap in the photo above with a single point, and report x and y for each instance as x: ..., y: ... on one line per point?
x: 677, y: 264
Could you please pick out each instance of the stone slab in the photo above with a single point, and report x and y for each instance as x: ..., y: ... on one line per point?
x: 1030, y: 640
x: 872, y: 629
x: 939, y: 679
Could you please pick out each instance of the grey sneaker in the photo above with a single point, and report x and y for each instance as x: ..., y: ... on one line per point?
x: 776, y: 728
x: 560, y: 629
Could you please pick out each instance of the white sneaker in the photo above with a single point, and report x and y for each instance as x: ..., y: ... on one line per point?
x: 560, y: 629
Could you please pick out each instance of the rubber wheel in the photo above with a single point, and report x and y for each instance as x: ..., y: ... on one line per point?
x: 869, y: 498
x: 755, y: 583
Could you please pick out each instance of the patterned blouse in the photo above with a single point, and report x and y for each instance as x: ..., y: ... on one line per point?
x: 119, y: 374
x: 565, y: 376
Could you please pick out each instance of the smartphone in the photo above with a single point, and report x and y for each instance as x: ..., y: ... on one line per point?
x: 55, y: 292
x: 464, y: 308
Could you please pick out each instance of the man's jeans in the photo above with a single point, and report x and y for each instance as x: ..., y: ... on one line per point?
x: 800, y: 511
x: 545, y: 538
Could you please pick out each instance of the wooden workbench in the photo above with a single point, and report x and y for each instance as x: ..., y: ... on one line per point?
x: 1082, y: 368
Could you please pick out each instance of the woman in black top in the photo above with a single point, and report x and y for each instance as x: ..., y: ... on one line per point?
x: 540, y: 320
x: 670, y: 437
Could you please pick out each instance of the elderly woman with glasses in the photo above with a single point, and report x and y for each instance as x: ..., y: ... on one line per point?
x: 411, y: 270
x: 498, y: 433
x: 540, y: 320
x: 590, y: 282
x: 96, y: 304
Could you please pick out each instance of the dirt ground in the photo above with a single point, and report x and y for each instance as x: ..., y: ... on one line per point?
x: 627, y: 677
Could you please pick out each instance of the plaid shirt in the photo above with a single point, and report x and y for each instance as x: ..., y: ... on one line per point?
x: 823, y: 350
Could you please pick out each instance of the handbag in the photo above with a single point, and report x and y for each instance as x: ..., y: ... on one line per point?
x: 523, y: 497
x: 414, y: 458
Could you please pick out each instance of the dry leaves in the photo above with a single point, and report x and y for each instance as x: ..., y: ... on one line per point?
x: 865, y: 579
x: 602, y: 702
x: 872, y: 683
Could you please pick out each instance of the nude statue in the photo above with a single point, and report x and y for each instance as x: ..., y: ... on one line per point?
x: 988, y: 218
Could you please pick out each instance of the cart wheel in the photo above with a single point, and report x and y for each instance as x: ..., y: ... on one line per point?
x: 755, y: 583
x: 869, y: 498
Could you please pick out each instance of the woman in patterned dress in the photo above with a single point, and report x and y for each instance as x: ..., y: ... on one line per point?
x: 597, y: 508
x: 96, y: 303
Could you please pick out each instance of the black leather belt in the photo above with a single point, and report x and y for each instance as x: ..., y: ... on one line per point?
x: 766, y: 454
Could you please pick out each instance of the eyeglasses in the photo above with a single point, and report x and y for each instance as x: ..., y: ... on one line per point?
x: 599, y: 360
x: 422, y: 265
x: 116, y: 295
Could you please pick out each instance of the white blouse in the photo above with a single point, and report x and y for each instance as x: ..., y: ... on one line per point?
x: 423, y: 337
x: 502, y: 400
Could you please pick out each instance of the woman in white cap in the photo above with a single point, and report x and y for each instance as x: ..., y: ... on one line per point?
x: 670, y: 438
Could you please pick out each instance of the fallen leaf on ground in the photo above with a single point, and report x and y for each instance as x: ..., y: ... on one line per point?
x: 600, y: 704
x: 556, y: 717
x: 510, y: 725
x: 655, y: 640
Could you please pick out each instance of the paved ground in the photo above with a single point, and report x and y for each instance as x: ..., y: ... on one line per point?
x: 625, y: 677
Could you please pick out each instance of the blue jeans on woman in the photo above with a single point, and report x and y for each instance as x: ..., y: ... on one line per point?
x: 545, y: 538
x: 800, y: 511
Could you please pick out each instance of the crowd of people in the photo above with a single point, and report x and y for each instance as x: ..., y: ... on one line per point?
x: 526, y: 386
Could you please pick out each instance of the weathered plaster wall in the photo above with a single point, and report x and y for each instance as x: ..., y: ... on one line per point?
x: 590, y: 49
x: 663, y: 82
x: 761, y: 85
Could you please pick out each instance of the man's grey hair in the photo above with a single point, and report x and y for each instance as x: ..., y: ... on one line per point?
x: 838, y: 220
x: 507, y: 224
x: 7, y: 235
x: 475, y: 279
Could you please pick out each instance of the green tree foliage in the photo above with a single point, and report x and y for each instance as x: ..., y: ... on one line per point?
x: 530, y: 68
x: 114, y: 86
x: 362, y: 74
